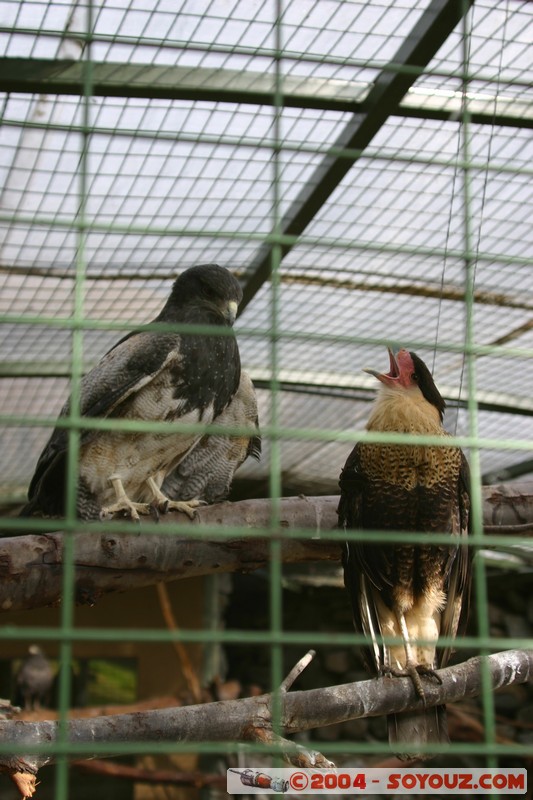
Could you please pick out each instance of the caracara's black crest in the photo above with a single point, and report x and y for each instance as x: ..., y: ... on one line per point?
x: 424, y: 378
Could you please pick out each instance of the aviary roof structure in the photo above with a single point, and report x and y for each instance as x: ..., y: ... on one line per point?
x: 377, y: 155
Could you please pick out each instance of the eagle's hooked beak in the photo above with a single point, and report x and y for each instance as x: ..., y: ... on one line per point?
x: 231, y: 311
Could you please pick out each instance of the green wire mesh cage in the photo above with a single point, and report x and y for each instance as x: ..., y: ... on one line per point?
x: 364, y: 170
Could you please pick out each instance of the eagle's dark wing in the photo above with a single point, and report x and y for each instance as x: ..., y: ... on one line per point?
x: 207, y: 472
x: 123, y: 370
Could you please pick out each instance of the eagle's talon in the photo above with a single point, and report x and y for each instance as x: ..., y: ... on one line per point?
x: 186, y: 507
x: 164, y: 505
x: 126, y: 508
x: 123, y: 504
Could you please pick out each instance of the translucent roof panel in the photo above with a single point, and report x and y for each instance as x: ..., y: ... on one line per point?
x: 206, y: 130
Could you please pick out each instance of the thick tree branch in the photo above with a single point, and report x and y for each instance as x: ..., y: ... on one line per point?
x: 237, y: 720
x: 30, y: 566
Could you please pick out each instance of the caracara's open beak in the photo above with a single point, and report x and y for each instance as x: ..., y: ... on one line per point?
x: 386, y: 377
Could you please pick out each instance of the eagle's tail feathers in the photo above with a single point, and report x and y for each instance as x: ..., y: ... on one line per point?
x: 413, y: 728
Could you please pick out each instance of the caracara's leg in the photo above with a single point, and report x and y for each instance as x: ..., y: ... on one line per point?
x: 412, y: 669
x: 123, y: 503
x: 164, y: 504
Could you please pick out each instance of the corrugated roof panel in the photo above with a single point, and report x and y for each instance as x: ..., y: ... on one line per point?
x: 174, y: 182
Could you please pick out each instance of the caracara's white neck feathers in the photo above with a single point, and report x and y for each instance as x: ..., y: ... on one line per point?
x: 404, y: 411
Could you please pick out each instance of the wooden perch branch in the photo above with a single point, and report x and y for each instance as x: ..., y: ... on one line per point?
x: 30, y: 566
x: 239, y: 720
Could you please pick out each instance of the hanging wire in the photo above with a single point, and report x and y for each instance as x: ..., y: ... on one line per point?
x: 486, y: 177
x: 491, y: 139
x: 275, y: 584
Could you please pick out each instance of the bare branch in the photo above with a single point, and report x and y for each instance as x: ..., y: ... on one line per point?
x: 231, y: 720
x: 297, y: 670
x: 295, y: 754
x: 31, y: 566
x: 40, y: 714
x: 261, y: 730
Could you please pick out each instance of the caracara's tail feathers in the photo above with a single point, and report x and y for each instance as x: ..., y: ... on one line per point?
x: 410, y: 729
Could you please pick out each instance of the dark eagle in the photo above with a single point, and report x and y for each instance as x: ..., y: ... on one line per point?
x: 412, y: 592
x: 34, y: 679
x: 151, y: 376
x: 207, y: 472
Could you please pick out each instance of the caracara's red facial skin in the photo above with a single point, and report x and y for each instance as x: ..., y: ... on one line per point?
x: 401, y: 372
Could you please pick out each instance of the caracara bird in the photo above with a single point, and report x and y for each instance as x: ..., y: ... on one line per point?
x: 412, y: 592
x: 206, y: 474
x: 148, y: 376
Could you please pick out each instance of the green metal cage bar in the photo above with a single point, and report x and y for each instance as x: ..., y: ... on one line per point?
x: 480, y: 577
x: 72, y: 473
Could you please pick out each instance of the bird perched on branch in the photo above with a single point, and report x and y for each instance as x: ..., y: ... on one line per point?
x: 207, y: 472
x: 413, y: 592
x: 34, y: 679
x: 148, y: 376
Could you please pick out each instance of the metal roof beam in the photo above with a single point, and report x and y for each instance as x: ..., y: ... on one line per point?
x: 329, y: 383
x: 45, y: 76
x: 383, y: 100
x: 308, y: 381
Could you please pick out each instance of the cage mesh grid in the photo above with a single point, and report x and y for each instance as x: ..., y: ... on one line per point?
x: 177, y: 220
